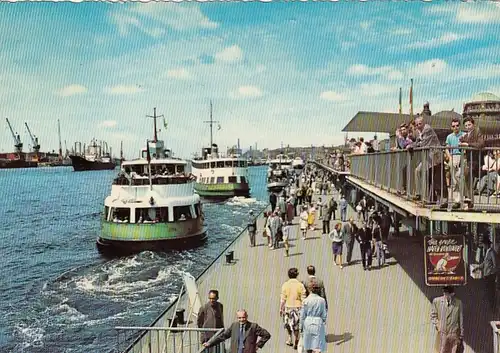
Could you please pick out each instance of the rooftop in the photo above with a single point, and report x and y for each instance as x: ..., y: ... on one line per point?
x: 485, y: 97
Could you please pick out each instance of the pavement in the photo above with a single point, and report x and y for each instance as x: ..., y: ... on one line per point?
x: 382, y: 310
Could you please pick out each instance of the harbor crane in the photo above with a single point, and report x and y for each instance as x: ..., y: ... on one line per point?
x: 34, y: 140
x: 17, y: 139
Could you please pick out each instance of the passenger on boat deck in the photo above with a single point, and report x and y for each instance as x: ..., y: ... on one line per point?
x: 183, y: 217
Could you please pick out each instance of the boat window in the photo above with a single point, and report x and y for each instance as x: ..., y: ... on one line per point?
x: 182, y: 213
x: 220, y: 180
x: 179, y: 168
x: 120, y: 215
x: 232, y: 179
x: 106, y: 213
x: 206, y: 165
x: 151, y: 215
x: 212, y: 165
x: 228, y: 164
x: 212, y: 180
x: 220, y: 164
x: 197, y: 208
x: 243, y: 180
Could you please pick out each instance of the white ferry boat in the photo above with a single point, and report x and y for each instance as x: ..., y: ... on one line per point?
x: 298, y: 164
x: 152, y: 204
x: 220, y: 177
x: 277, y: 175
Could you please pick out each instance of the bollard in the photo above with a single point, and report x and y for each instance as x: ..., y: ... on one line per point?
x: 179, y: 315
x: 228, y: 258
x: 231, y: 254
x: 172, y: 324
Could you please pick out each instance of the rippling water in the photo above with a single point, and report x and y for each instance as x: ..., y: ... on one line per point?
x: 57, y: 294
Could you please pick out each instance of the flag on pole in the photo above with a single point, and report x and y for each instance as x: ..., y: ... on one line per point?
x: 400, y: 100
x: 218, y: 127
x: 411, y: 98
x: 165, y: 123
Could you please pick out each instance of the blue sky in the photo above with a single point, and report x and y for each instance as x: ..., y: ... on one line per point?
x: 294, y: 73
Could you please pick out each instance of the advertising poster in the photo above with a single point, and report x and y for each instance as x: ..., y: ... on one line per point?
x: 444, y: 260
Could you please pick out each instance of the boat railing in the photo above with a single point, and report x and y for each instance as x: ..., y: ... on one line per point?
x: 461, y: 176
x: 167, y: 339
x: 135, y: 180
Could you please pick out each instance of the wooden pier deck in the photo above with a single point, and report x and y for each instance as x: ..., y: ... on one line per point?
x: 383, y: 310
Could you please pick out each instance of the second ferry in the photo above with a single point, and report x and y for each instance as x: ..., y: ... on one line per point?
x: 152, y: 204
x: 220, y: 177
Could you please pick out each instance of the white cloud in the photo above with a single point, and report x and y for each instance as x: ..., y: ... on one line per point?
x: 72, y: 90
x: 124, y: 89
x: 175, y: 15
x: 365, y: 25
x: 247, y: 92
x: 387, y: 71
x: 230, y: 54
x: 444, y: 39
x: 151, y: 17
x: 180, y: 74
x: 333, y: 96
x: 478, y: 14
x: 108, y: 123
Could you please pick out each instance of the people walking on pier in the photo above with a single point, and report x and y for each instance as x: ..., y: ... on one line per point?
x: 273, y: 200
x: 489, y: 267
x: 343, y: 209
x: 327, y: 217
x: 246, y: 336
x: 293, y: 294
x: 364, y: 238
x: 287, y: 229
x: 210, y: 315
x: 337, y: 244
x: 267, y: 229
x: 304, y: 225
x: 252, y: 227
x: 274, y: 225
x: 379, y: 245
x: 290, y: 209
x: 348, y: 232
x: 332, y: 207
x: 282, y: 207
x: 448, y: 319
x: 311, y: 275
x: 311, y: 219
x: 319, y: 207
x: 313, y: 320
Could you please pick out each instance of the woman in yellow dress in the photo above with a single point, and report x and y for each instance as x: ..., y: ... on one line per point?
x: 311, y: 219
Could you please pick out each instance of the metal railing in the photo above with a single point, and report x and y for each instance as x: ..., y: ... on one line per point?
x: 442, y: 176
x: 169, y: 339
x: 138, y: 336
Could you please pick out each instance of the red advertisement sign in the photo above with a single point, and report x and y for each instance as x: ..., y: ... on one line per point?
x: 445, y: 264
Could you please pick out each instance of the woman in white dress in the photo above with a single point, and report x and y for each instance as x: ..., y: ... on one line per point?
x: 304, y: 215
x: 313, y: 320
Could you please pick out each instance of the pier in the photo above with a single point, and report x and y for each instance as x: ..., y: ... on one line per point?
x: 382, y: 310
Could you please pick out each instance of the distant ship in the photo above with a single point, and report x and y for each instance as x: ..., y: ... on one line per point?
x: 93, y: 159
x: 17, y: 163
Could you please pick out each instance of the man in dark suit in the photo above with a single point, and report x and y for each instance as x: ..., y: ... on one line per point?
x: 211, y: 315
x: 311, y: 271
x: 474, y: 139
x: 246, y: 336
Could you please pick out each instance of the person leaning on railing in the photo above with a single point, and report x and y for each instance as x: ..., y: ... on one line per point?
x: 473, y: 139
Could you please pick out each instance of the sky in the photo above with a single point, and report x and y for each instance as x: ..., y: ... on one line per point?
x: 292, y: 73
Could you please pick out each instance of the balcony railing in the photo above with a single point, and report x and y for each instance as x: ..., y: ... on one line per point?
x: 428, y: 176
x: 167, y: 340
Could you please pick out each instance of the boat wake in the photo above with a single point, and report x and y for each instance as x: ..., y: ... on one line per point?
x: 84, y: 300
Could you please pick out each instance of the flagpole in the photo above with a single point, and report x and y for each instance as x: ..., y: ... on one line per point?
x: 400, y: 103
x: 411, y: 100
x: 148, y: 157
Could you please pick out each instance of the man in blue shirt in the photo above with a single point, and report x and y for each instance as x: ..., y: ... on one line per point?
x: 453, y: 154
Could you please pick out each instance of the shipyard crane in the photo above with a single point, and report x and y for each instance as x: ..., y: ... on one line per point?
x: 34, y: 140
x: 17, y: 139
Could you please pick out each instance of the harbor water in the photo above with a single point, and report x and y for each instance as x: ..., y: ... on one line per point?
x: 58, y: 295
